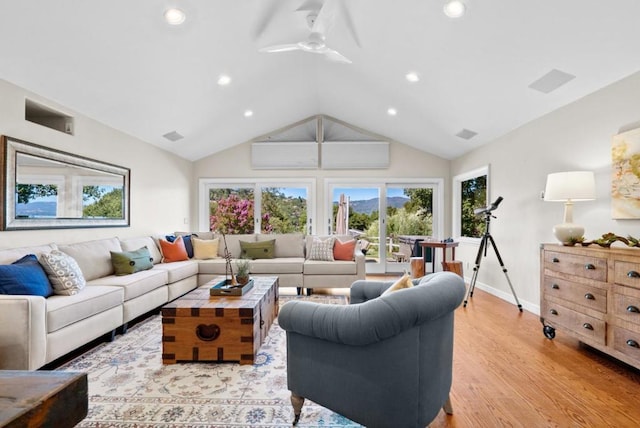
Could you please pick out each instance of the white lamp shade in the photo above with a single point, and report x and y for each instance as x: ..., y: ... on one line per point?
x: 570, y: 186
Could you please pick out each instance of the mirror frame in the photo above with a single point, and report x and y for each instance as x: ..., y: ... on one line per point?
x: 9, y: 151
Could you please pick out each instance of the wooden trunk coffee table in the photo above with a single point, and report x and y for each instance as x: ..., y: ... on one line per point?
x: 200, y: 327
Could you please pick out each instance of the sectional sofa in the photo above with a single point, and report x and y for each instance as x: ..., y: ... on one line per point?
x: 35, y: 330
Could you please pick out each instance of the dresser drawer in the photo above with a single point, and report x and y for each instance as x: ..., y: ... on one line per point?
x: 574, y: 264
x: 583, y: 295
x: 627, y: 342
x: 626, y: 308
x: 583, y: 325
x: 627, y: 273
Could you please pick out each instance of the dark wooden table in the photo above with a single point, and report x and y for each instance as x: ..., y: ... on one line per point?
x: 42, y: 398
x: 444, y: 246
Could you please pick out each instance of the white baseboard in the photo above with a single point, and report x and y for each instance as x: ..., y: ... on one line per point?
x: 507, y: 296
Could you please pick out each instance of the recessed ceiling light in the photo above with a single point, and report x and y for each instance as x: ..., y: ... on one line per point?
x: 248, y: 113
x: 392, y: 111
x: 454, y: 8
x: 224, y: 80
x: 174, y: 16
x: 412, y: 77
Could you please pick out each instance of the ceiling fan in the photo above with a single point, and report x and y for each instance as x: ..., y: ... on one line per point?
x: 320, y: 19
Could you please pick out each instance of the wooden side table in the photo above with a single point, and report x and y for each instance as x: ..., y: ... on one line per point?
x: 42, y: 398
x: 444, y: 246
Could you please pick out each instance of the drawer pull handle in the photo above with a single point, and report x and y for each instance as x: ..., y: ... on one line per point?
x: 633, y: 274
x: 633, y: 343
x: 589, y: 296
x: 555, y: 260
x: 553, y: 312
x: 633, y: 309
x: 555, y: 286
x: 589, y: 266
x: 587, y: 326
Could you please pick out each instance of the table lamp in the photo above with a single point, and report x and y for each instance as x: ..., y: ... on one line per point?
x: 569, y: 187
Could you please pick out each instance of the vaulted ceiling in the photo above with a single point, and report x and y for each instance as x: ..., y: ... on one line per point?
x: 119, y: 62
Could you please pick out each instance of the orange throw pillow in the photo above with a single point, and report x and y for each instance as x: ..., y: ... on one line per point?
x: 344, y: 250
x: 173, y: 251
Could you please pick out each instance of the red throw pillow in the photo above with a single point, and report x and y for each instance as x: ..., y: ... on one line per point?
x: 173, y: 251
x: 344, y: 250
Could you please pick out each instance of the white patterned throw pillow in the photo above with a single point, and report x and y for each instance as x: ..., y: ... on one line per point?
x: 63, y: 272
x: 322, y: 250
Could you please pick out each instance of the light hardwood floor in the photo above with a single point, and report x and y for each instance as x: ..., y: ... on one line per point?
x: 508, y: 374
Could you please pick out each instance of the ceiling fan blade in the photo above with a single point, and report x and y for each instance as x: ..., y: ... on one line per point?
x: 326, y: 17
x: 336, y: 56
x: 280, y: 48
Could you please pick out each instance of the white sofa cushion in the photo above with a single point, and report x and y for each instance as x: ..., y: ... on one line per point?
x: 233, y: 244
x: 10, y: 255
x: 277, y: 266
x: 337, y: 267
x: 287, y: 244
x: 66, y: 310
x: 132, y: 244
x: 177, y: 271
x: 136, y: 284
x: 213, y: 266
x: 94, y: 257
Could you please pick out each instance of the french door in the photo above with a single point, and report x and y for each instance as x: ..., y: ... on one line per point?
x: 383, y: 215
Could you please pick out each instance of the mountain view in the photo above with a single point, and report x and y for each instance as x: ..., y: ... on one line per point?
x: 370, y: 205
x: 36, y: 209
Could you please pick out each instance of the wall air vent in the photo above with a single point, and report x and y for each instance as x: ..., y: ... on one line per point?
x: 46, y: 116
x: 284, y: 155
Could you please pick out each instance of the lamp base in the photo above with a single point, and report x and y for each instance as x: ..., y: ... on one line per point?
x: 568, y: 233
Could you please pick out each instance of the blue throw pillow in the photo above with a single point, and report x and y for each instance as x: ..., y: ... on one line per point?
x: 25, y: 277
x: 187, y: 243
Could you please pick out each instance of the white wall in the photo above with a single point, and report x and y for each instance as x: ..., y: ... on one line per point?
x: 160, y: 181
x: 405, y: 162
x: 575, y: 137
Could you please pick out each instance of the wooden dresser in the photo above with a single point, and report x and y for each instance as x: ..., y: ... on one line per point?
x: 593, y: 294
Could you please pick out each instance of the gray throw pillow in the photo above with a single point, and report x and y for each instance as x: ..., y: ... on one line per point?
x: 322, y: 250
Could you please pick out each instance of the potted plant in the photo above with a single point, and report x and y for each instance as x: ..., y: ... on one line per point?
x: 242, y: 271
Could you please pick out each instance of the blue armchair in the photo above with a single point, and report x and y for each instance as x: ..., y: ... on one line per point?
x: 383, y: 360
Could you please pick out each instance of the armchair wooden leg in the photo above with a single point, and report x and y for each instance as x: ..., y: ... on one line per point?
x: 448, y: 408
x: 296, y: 402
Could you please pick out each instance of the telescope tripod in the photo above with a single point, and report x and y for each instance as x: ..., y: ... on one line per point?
x: 484, y: 245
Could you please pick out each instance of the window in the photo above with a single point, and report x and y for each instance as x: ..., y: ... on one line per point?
x: 470, y: 192
x: 263, y: 206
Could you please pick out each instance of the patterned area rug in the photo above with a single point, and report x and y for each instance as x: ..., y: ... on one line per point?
x: 130, y: 387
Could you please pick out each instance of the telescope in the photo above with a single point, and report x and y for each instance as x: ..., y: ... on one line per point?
x: 488, y: 209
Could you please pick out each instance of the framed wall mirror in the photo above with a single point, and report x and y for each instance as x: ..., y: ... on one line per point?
x: 45, y: 188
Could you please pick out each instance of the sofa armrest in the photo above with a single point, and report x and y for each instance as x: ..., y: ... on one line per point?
x: 23, y: 332
x: 359, y: 258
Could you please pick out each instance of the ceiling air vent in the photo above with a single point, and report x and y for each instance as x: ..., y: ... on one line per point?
x: 173, y: 136
x: 466, y: 134
x: 551, y: 81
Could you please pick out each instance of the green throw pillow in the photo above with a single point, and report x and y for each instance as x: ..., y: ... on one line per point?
x: 258, y: 250
x: 128, y: 262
